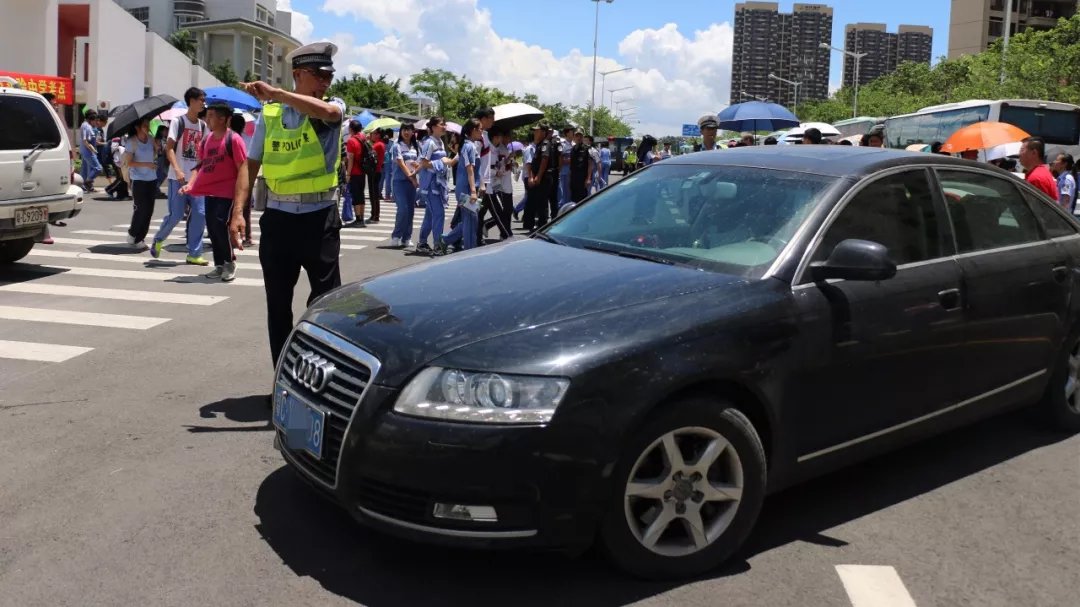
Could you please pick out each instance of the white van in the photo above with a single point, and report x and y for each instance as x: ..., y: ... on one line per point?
x: 35, y: 171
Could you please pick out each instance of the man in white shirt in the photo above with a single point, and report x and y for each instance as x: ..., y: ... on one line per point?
x: 181, y: 148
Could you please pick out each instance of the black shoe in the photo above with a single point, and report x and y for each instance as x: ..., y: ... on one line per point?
x: 373, y: 220
x: 359, y: 223
x: 423, y: 247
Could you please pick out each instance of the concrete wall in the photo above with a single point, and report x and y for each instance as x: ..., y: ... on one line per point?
x: 117, y: 54
x: 28, y: 37
x: 167, y: 69
x: 202, y: 79
x: 234, y: 9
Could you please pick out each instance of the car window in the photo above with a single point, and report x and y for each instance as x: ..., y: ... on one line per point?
x: 987, y: 211
x: 896, y: 211
x: 728, y: 219
x: 26, y: 122
x: 1054, y: 225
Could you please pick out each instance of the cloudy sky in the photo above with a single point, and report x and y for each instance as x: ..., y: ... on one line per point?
x: 680, y: 50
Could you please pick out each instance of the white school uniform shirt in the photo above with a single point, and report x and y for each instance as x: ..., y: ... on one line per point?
x: 503, y: 178
x: 485, y: 162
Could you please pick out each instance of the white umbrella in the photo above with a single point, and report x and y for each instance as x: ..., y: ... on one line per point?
x: 513, y: 115
x: 1003, y: 151
x: 827, y: 130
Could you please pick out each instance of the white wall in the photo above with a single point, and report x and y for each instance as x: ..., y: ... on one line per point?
x: 28, y: 36
x: 235, y: 9
x: 167, y: 69
x: 117, y: 54
x: 202, y: 79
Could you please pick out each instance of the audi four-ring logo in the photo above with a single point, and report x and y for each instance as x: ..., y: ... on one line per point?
x: 312, y: 371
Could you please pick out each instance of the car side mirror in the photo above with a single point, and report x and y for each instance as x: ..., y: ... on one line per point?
x: 855, y: 260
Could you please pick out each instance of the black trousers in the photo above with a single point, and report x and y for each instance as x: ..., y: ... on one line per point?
x: 536, y: 205
x: 553, y: 196
x: 143, y: 194
x: 374, y: 194
x: 217, y: 224
x: 502, y: 209
x: 578, y: 190
x: 356, y: 190
x: 311, y: 241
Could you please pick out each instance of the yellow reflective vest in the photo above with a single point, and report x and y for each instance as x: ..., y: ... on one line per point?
x: 293, y: 159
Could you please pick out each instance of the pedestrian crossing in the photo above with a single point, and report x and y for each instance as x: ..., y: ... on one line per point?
x: 91, y: 278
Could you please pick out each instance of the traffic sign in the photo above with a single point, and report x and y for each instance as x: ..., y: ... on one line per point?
x: 691, y: 130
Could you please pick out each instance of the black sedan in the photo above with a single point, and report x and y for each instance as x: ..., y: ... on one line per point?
x: 649, y: 366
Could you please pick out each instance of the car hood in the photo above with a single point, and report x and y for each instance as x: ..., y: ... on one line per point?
x: 408, y: 317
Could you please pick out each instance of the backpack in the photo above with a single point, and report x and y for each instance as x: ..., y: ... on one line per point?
x: 368, y: 164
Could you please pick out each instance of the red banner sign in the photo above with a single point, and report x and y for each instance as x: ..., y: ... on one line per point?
x: 61, y: 87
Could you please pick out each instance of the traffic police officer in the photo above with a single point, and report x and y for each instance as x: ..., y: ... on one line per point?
x: 297, y: 143
x: 709, y: 124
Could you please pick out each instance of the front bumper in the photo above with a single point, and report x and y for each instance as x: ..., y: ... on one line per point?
x: 547, y: 484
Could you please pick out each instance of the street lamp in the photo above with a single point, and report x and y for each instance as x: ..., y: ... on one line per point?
x: 613, y: 91
x: 1006, y: 33
x: 595, y: 43
x: 761, y: 99
x: 795, y: 110
x: 603, y: 80
x: 858, y: 57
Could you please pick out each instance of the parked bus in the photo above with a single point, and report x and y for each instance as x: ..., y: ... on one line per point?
x: 856, y: 126
x: 1057, y: 123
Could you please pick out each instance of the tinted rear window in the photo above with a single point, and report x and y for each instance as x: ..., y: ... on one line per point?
x: 26, y: 122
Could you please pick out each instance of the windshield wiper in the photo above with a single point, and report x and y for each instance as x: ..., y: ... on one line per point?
x: 546, y: 238
x: 630, y: 255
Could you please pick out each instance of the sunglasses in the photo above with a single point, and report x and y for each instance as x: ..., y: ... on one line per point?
x: 321, y: 75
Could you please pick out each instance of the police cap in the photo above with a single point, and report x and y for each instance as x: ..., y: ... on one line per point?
x: 317, y: 55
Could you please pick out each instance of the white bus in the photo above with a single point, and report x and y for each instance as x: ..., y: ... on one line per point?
x: 1057, y: 123
x: 856, y: 126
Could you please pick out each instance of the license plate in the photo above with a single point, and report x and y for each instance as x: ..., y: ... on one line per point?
x: 302, y: 424
x: 31, y: 215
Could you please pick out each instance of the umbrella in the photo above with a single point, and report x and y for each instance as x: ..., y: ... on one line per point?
x: 918, y: 147
x: 854, y: 139
x: 421, y: 125
x: 827, y: 130
x: 170, y: 115
x: 364, y: 117
x: 756, y: 116
x: 236, y: 98
x: 249, y: 122
x: 143, y: 108
x: 382, y: 123
x: 509, y: 116
x: 453, y: 127
x: 982, y: 135
x: 515, y: 147
x: 1003, y: 151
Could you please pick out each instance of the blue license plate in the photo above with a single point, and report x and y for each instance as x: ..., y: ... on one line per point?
x: 302, y: 424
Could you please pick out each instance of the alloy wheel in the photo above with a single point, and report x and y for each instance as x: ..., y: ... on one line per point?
x: 1072, y: 381
x: 683, y: 491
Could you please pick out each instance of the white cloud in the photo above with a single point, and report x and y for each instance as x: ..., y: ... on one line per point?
x: 302, y: 27
x: 676, y: 77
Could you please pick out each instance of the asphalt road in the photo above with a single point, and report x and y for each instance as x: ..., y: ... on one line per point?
x: 138, y: 469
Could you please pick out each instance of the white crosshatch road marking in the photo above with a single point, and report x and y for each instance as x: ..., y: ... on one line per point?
x: 50, y: 353
x: 37, y: 288
x: 74, y: 317
x: 131, y: 274
x: 874, y: 586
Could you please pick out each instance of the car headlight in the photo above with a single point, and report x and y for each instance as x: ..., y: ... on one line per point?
x: 481, y: 397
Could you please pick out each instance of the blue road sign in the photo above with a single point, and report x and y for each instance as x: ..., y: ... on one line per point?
x: 691, y: 130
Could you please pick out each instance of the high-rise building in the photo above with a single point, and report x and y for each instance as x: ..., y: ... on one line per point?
x: 884, y: 50
x: 975, y: 24
x: 787, y: 45
x: 252, y: 35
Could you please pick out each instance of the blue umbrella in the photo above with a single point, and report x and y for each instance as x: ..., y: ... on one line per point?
x: 365, y: 117
x: 756, y: 116
x: 237, y: 99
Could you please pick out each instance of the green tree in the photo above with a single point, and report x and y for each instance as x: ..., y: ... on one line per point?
x: 443, y: 87
x: 605, y: 124
x: 380, y: 93
x: 185, y: 42
x: 225, y: 73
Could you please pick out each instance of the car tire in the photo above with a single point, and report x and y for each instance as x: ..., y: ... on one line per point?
x: 14, y: 250
x: 649, y: 526
x: 1061, y: 402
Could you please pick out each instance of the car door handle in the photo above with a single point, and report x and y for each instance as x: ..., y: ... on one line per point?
x: 950, y: 299
x: 1061, y: 273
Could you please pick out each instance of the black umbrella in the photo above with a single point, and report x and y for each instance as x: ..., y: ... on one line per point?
x: 509, y: 116
x: 116, y: 110
x: 133, y: 112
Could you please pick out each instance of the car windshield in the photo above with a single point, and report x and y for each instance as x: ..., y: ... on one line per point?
x: 728, y: 219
